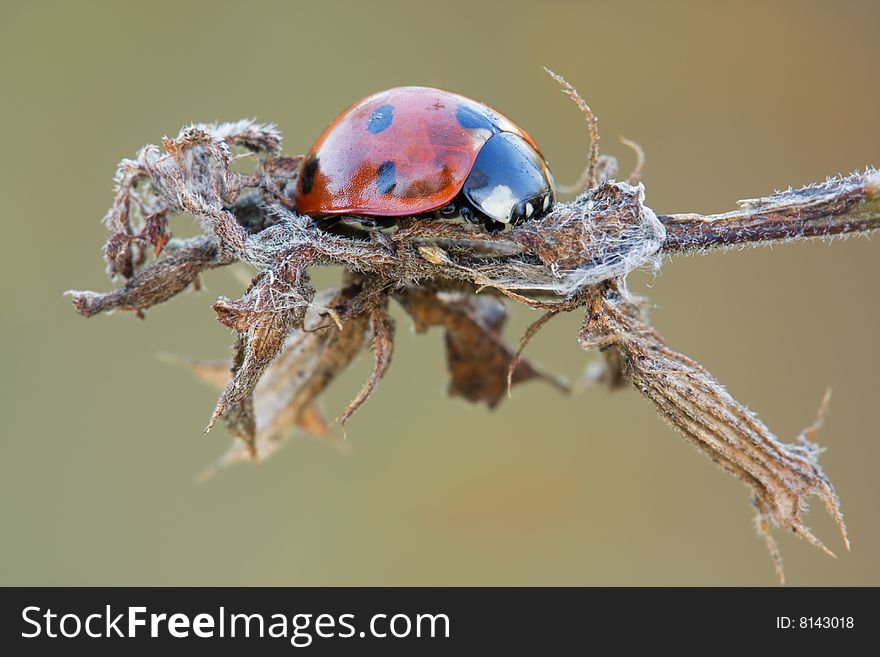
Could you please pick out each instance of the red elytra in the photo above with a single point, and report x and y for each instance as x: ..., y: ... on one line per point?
x: 399, y: 152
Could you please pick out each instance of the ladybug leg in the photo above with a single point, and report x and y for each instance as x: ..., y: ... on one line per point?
x: 469, y: 215
x: 448, y: 211
x: 474, y: 216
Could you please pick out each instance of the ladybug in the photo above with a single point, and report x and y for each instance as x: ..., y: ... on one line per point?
x: 417, y: 151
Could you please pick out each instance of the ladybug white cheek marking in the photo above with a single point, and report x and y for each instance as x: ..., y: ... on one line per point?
x: 547, y: 201
x: 499, y: 203
x: 529, y: 210
x: 479, y: 136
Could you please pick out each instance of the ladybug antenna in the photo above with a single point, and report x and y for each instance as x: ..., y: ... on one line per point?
x: 588, y: 177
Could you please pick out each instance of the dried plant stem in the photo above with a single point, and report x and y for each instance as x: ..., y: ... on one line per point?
x: 575, y: 256
x: 383, y: 345
x: 781, y: 475
x: 166, y: 278
x: 531, y: 332
x: 838, y: 206
x: 639, y: 168
x: 588, y: 179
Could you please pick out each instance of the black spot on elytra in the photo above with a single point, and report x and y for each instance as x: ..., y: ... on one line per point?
x: 471, y: 119
x: 386, y: 177
x: 308, y: 174
x: 380, y: 119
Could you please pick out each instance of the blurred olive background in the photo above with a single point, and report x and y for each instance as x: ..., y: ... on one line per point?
x: 102, y: 440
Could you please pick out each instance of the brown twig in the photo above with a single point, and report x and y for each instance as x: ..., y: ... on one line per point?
x: 838, y: 206
x: 168, y: 277
x: 588, y: 178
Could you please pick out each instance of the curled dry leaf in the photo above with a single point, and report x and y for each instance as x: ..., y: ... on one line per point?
x: 383, y: 346
x: 287, y: 394
x: 477, y: 357
x: 263, y: 318
x: 167, y: 277
x: 781, y: 475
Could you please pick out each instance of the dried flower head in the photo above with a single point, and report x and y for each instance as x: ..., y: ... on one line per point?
x: 293, y: 342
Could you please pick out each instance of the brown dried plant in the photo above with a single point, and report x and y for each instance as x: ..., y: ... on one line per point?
x: 292, y: 343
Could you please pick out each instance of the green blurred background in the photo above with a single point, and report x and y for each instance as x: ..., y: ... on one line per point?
x: 101, y: 440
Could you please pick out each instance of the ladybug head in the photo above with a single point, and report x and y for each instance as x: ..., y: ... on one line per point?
x: 509, y: 181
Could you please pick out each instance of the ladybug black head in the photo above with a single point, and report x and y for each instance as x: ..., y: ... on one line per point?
x: 509, y: 181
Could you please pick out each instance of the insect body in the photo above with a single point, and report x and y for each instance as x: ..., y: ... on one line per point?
x: 416, y: 150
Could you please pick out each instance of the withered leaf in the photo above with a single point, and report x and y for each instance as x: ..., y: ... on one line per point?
x: 264, y: 317
x: 286, y: 395
x: 383, y: 346
x: 476, y: 355
x: 781, y: 475
x: 166, y: 277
